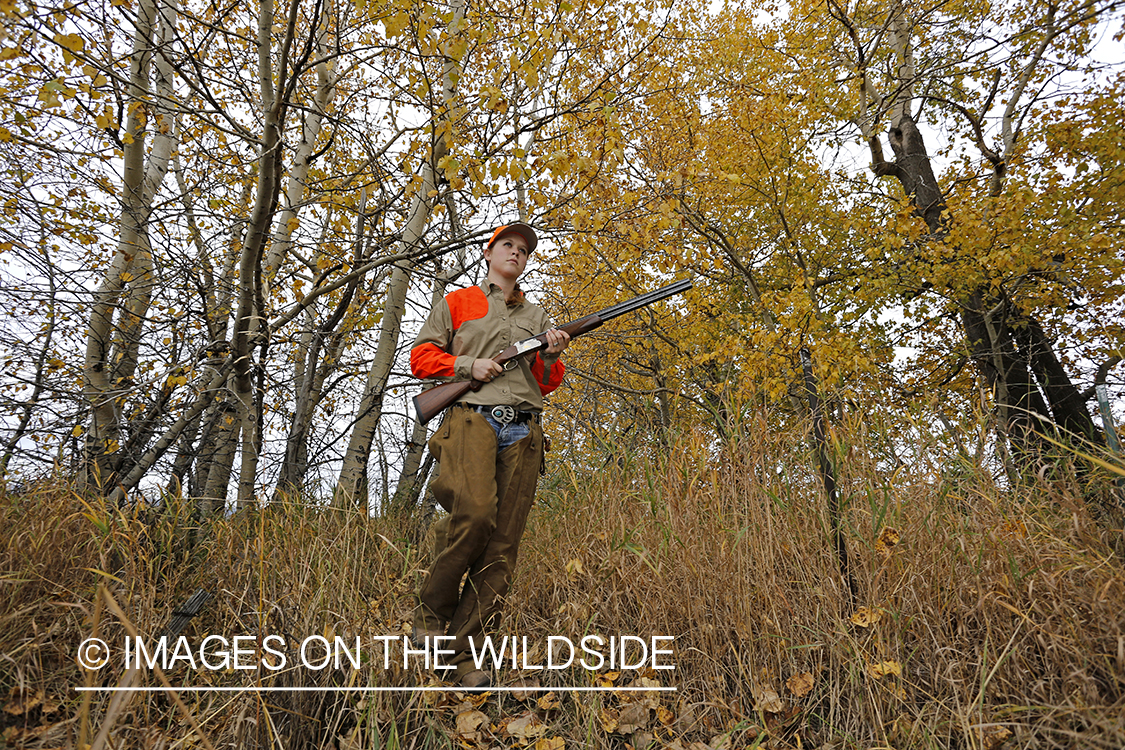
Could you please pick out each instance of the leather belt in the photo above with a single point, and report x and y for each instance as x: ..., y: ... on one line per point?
x: 503, y: 413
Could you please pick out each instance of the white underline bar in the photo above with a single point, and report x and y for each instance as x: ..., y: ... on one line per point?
x: 266, y: 689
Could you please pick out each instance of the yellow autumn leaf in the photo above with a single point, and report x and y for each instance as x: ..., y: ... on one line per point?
x: 395, y: 24
x: 550, y: 743
x: 608, y: 718
x: 888, y: 538
x: 574, y: 569
x: 884, y: 668
x: 865, y: 617
x: 607, y: 679
x: 71, y: 42
x: 548, y: 701
x: 49, y: 97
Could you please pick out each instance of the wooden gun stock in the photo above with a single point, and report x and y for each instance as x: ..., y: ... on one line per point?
x: 429, y: 403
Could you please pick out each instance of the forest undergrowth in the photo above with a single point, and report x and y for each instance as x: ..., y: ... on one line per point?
x: 985, y: 615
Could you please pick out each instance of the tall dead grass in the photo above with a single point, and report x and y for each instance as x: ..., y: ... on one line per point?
x: 987, y: 615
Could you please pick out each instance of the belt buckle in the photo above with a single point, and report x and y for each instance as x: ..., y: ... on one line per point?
x: 503, y: 413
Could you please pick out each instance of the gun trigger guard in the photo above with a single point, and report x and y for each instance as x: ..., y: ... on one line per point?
x: 510, y: 365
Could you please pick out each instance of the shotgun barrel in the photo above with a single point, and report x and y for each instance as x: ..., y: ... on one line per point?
x: 429, y: 403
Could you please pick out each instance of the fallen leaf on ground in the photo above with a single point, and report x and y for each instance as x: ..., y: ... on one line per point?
x: 548, y: 701
x: 468, y: 722
x: 865, y: 617
x: 648, y: 698
x: 800, y: 684
x: 633, y: 716
x: 607, y: 679
x: 526, y: 728
x: 995, y: 737
x: 885, y: 668
x: 532, y: 685
x: 608, y: 717
x: 766, y: 699
x: 21, y: 700
x: 466, y: 701
x: 550, y: 743
x: 665, y: 716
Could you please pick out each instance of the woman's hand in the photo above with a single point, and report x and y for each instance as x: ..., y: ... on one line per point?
x: 557, y: 342
x: 485, y: 370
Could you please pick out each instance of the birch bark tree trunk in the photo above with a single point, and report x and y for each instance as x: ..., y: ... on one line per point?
x: 250, y: 329
x: 414, y: 473
x: 351, y: 487
x: 311, y: 371
x: 125, y: 291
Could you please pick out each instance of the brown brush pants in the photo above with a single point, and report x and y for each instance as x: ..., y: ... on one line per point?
x: 488, y: 496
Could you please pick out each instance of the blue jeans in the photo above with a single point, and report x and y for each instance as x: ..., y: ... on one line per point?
x: 508, y: 434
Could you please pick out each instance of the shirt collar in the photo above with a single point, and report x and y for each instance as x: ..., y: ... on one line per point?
x: 488, y: 288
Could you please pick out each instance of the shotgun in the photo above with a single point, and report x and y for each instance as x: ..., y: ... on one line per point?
x: 428, y: 404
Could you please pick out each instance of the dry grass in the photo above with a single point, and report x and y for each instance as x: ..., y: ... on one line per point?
x: 1002, y: 608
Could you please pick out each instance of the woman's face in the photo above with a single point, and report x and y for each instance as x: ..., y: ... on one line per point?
x: 507, y: 256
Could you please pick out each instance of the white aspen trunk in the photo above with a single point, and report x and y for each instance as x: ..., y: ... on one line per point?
x: 250, y: 262
x: 130, y: 326
x: 351, y: 487
x: 216, y: 433
x: 310, y: 372
x: 224, y: 440
x: 353, y: 474
x: 297, y: 188
x: 104, y: 436
x: 411, y: 466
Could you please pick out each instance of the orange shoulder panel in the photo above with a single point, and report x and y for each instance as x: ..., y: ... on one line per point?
x: 466, y: 304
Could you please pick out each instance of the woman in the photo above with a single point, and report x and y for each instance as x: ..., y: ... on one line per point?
x: 489, y: 446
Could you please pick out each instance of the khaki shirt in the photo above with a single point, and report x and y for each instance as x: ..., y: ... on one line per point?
x: 460, y: 330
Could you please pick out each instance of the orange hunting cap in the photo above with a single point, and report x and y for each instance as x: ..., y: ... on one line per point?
x: 523, y: 230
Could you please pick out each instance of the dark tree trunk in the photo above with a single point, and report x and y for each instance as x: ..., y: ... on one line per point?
x: 1009, y: 348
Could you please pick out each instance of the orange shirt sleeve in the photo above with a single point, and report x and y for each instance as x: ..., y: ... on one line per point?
x: 428, y: 356
x: 548, y: 379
